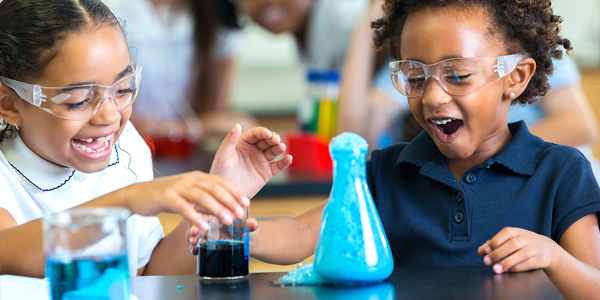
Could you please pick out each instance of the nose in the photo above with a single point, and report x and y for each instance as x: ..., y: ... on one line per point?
x: 434, y: 94
x: 106, y: 112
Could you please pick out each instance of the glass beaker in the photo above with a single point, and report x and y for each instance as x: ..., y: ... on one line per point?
x: 86, y: 253
x: 223, y: 252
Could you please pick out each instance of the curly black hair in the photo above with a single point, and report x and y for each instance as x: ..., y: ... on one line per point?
x: 527, y: 26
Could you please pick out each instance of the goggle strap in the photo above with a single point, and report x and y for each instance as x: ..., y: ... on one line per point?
x: 506, y: 64
x: 30, y: 93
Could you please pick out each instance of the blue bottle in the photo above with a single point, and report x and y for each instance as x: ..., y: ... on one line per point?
x: 352, y: 246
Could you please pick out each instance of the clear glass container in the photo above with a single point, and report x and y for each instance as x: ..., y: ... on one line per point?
x: 86, y: 253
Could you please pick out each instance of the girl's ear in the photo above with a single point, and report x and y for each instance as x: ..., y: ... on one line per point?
x: 8, y: 109
x: 519, y: 78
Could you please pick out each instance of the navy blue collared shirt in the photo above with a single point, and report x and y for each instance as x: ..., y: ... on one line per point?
x: 431, y: 219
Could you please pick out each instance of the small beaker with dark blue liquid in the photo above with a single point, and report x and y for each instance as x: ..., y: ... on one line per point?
x: 223, y: 252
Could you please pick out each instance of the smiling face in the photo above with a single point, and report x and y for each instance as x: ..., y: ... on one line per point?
x: 278, y: 16
x: 472, y: 126
x: 96, y: 55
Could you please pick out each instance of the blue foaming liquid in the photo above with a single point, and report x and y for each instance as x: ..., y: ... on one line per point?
x: 352, y: 247
x: 89, y: 278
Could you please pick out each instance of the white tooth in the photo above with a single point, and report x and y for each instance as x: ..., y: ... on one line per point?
x: 82, y: 147
x: 444, y: 122
x: 108, y: 138
x: 100, y: 149
x: 101, y: 139
x: 437, y: 122
x: 105, y: 144
x: 89, y: 140
x: 88, y: 150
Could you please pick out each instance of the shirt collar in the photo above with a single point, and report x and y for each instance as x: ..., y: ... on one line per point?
x: 40, y: 173
x: 520, y: 154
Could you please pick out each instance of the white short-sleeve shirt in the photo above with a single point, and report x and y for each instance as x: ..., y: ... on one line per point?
x: 33, y: 187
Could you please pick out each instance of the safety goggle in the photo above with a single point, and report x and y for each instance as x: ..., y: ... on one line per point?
x: 82, y: 101
x: 457, y: 76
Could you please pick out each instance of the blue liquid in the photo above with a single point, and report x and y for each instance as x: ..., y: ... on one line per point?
x: 98, y: 278
x: 222, y: 259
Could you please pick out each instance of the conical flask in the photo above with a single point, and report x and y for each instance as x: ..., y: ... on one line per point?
x: 352, y: 246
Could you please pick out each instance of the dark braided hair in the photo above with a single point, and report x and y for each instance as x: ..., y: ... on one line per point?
x: 31, y: 32
x: 527, y: 26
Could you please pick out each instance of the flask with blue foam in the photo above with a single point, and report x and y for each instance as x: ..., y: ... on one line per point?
x: 352, y: 247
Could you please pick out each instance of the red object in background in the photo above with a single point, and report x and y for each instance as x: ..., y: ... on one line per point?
x: 310, y: 153
x: 166, y: 147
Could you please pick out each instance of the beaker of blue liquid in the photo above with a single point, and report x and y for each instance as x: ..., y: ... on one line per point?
x: 86, y: 254
x: 224, y: 249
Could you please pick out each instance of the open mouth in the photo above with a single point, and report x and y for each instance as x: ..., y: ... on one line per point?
x: 447, y: 129
x: 96, y: 145
x: 448, y: 126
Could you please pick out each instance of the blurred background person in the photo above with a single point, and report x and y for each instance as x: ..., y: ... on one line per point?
x: 321, y: 28
x: 187, y: 49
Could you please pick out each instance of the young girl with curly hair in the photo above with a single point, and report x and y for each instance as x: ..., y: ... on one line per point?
x: 472, y: 189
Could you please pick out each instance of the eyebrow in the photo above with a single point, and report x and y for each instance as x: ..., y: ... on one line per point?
x: 127, y: 70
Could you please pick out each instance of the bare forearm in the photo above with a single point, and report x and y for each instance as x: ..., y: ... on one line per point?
x: 22, y: 251
x: 565, y: 130
x: 287, y: 241
x: 172, y: 255
x: 575, y: 279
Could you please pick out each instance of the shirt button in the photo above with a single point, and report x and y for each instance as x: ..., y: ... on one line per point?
x: 470, y: 178
x: 459, y: 198
x: 458, y: 217
x: 79, y: 177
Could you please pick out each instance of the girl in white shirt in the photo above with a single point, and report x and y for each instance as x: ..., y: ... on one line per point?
x: 77, y: 147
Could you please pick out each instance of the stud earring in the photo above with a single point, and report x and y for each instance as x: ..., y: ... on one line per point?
x: 511, y: 95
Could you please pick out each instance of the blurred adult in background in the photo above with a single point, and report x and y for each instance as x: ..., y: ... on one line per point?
x: 562, y: 116
x: 322, y: 28
x: 188, y: 51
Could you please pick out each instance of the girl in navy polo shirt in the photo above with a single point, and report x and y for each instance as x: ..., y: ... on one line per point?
x: 67, y: 86
x: 472, y: 189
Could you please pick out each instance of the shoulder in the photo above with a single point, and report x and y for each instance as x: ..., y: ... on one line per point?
x: 560, y: 156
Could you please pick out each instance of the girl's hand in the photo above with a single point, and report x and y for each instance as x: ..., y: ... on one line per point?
x: 248, y: 159
x: 518, y: 250
x: 194, y: 234
x: 188, y: 194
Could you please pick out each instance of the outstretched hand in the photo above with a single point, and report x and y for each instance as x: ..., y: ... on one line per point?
x: 517, y: 250
x: 248, y: 159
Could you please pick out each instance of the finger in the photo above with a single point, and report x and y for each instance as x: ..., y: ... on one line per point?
x: 508, y: 248
x: 256, y: 135
x: 504, y: 235
x: 515, y: 259
x: 529, y: 264
x: 274, y: 151
x: 186, y: 210
x: 280, y: 165
x: 252, y: 224
x: 194, y: 250
x: 227, y: 146
x: 484, y: 249
x: 238, y: 196
x: 208, y: 204
x: 275, y: 139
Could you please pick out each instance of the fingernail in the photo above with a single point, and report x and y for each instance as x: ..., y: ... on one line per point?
x: 191, y: 249
x: 190, y: 241
x: 487, y: 260
x: 498, y: 269
x: 246, y: 200
x: 226, y: 218
x: 488, y: 250
x: 194, y: 230
x: 239, y: 212
x: 234, y: 128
